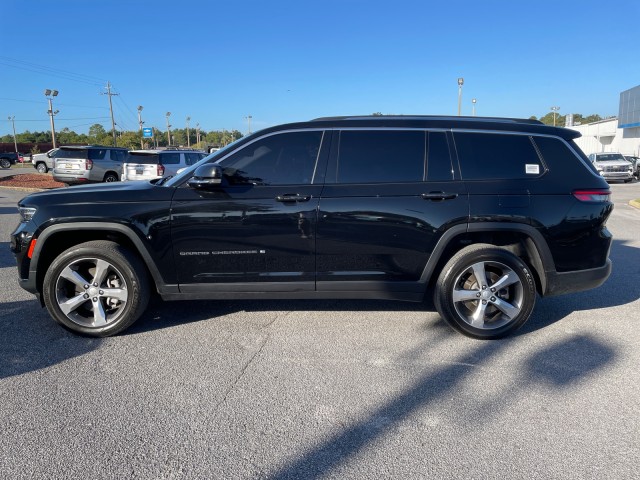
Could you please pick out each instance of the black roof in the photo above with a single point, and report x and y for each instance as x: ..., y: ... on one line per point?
x: 432, y: 121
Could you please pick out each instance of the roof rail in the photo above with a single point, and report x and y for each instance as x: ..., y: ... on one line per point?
x: 429, y: 117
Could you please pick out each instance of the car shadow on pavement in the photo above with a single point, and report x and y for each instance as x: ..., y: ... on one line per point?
x: 6, y: 257
x: 31, y: 340
x: 561, y: 365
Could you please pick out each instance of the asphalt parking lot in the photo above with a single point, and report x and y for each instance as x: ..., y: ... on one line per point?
x: 326, y: 389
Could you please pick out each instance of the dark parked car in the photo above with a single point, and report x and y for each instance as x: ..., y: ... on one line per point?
x: 9, y: 158
x: 483, y: 213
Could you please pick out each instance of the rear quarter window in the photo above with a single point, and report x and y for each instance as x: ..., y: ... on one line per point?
x: 170, y: 158
x: 559, y: 157
x: 494, y: 156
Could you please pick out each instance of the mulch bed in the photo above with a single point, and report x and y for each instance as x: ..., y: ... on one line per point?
x: 30, y: 180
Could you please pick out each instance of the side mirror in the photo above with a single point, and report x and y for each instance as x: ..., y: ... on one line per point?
x: 206, y: 176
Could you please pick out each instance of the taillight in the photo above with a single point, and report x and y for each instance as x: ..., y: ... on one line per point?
x: 88, y: 165
x: 160, y: 170
x: 592, y: 195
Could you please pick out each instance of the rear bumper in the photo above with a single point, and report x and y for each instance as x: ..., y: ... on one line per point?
x: 576, y: 281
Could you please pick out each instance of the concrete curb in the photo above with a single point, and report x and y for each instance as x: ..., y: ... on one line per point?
x: 635, y: 203
x: 25, y: 189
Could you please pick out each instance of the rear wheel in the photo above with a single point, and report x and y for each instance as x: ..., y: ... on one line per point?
x: 96, y: 288
x: 111, y: 177
x: 485, y: 292
x: 5, y: 163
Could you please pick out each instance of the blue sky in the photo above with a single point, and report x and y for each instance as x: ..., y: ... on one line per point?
x: 281, y: 61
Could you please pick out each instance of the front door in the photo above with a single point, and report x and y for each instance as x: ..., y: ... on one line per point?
x: 259, y: 226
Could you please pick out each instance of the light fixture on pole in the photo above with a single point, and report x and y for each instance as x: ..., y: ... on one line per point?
x: 168, y: 129
x: 140, y: 123
x: 49, y: 94
x: 473, y: 103
x: 188, y: 140
x: 555, y: 110
x: 248, y: 119
x: 13, y: 123
x: 460, y: 83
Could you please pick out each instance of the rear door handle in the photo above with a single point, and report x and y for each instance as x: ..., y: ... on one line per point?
x: 439, y: 196
x: 293, y: 197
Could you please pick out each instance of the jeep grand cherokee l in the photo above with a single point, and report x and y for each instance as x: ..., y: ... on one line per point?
x: 483, y: 213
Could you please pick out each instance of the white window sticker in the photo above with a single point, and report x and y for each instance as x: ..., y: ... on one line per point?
x: 532, y: 169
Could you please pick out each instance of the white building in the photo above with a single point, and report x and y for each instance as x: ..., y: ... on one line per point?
x: 620, y: 134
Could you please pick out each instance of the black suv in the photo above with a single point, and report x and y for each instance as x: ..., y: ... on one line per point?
x: 486, y: 213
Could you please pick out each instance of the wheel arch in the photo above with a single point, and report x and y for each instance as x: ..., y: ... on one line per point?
x: 522, y: 240
x: 57, y: 238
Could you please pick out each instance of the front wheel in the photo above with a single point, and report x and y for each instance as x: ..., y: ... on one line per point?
x: 485, y: 292
x: 96, y: 288
x: 5, y: 163
x: 41, y: 167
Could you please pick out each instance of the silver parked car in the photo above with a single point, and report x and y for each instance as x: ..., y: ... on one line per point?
x: 151, y: 164
x: 89, y: 164
x: 43, y: 162
x: 635, y: 161
x: 612, y: 166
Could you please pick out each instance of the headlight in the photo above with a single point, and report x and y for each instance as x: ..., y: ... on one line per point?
x: 26, y: 213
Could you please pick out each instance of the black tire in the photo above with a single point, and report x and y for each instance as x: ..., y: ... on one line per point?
x: 5, y: 163
x: 41, y: 167
x: 485, y: 292
x: 111, y: 177
x: 96, y: 288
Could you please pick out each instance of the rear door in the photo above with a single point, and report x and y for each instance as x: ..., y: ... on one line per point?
x: 389, y: 196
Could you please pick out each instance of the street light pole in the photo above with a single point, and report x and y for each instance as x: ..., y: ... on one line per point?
x: 188, y: 140
x: 168, y: 129
x: 49, y: 94
x: 140, y: 122
x: 555, y: 109
x: 198, y: 134
x: 248, y: 118
x: 460, y: 83
x: 473, y: 103
x: 13, y: 123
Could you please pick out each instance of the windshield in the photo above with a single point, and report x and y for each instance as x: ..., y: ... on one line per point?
x: 186, y: 173
x: 608, y: 157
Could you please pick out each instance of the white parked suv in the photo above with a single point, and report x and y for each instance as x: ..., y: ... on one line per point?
x: 612, y: 166
x: 151, y: 164
x: 43, y: 162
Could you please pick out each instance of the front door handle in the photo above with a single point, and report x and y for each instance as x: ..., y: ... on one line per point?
x: 293, y: 197
x: 439, y: 196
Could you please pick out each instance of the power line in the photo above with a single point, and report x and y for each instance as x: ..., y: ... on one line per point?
x: 54, y: 72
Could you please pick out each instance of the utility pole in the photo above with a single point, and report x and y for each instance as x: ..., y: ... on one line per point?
x: 113, y: 123
x: 168, y: 129
x: 198, y: 134
x: 13, y: 122
x: 140, y: 122
x: 188, y: 140
x: 49, y: 94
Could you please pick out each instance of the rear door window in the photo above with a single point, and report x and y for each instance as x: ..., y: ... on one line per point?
x: 382, y: 156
